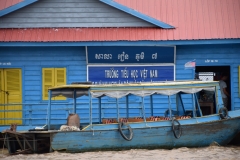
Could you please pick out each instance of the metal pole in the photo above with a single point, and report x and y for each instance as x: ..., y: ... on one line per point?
x: 170, y: 106
x: 117, y: 109
x: 218, y: 98
x: 194, y: 105
x: 127, y: 107
x: 100, y: 110
x: 90, y: 108
x: 49, y: 108
x: 74, y: 101
x: 199, y: 109
x: 143, y: 110
x: 180, y: 107
x: 151, y: 104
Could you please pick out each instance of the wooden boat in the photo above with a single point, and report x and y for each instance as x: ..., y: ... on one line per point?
x: 181, y: 126
x: 177, y: 129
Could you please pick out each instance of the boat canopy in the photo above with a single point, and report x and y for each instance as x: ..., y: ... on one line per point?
x: 69, y: 93
x: 143, y: 93
x: 121, y: 90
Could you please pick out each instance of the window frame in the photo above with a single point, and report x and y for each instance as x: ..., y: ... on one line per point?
x: 53, y: 81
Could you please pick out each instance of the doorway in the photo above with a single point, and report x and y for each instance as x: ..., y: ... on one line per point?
x: 206, y: 73
x: 10, y: 92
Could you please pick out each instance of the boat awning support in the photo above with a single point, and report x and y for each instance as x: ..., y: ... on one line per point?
x: 198, y: 106
x: 151, y: 104
x: 143, y: 110
x: 117, y: 103
x: 100, y: 109
x: 170, y: 106
x: 74, y: 102
x: 127, y: 105
x: 218, y: 99
x: 49, y: 108
x: 90, y: 108
x: 194, y: 105
x: 180, y: 107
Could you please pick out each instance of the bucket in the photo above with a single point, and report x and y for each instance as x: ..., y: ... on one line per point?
x: 73, y: 120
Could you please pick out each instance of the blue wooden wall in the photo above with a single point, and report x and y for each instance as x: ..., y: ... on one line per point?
x: 211, y: 55
x: 32, y: 59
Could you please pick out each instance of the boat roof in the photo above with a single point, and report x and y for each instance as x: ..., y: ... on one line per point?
x: 138, y: 89
x: 142, y: 84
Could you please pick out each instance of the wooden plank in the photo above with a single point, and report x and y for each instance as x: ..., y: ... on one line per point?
x: 95, y: 4
x: 66, y: 10
x: 25, y: 151
x: 37, y: 25
x: 72, y: 20
x: 72, y: 14
x: 70, y: 1
x: 20, y: 144
x: 12, y: 134
x: 28, y: 143
x: 149, y: 136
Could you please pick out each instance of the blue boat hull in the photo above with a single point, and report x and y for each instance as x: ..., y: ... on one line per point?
x: 193, y: 135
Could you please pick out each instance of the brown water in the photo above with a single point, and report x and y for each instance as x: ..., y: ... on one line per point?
x: 204, y: 153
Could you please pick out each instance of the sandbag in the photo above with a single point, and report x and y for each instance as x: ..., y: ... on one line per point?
x: 73, y: 120
x: 69, y: 128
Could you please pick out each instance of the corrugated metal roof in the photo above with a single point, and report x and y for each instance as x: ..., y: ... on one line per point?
x: 137, y: 14
x: 193, y: 19
x: 8, y: 3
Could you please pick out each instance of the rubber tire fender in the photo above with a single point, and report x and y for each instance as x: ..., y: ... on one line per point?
x: 223, y: 113
x: 121, y: 132
x: 174, y: 129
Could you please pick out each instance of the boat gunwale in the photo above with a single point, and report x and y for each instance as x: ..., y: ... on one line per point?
x: 180, y: 120
x: 147, y: 127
